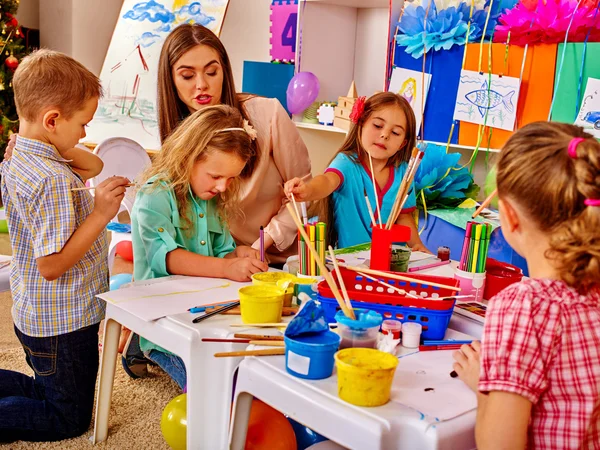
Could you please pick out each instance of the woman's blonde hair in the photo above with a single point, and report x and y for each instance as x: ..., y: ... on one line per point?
x: 192, y: 141
x: 536, y: 171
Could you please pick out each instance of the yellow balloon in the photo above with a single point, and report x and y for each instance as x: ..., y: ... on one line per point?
x: 173, y: 422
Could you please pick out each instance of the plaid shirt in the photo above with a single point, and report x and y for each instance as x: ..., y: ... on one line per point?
x: 42, y: 214
x: 541, y: 340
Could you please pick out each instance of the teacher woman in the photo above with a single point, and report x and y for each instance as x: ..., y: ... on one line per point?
x: 194, y: 72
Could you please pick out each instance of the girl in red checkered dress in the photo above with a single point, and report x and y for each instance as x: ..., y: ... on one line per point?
x: 536, y: 372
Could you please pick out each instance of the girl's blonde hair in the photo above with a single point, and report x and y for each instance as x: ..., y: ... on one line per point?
x: 192, y: 141
x: 353, y: 148
x: 536, y: 171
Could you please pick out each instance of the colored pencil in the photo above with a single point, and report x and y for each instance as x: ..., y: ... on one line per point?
x: 465, y: 249
x: 429, y: 266
x: 485, y: 203
x: 216, y: 311
x: 446, y: 342
x: 429, y: 348
x: 262, y: 243
x: 321, y: 243
x: 312, y: 256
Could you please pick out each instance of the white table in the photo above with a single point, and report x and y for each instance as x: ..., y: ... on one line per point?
x: 210, y: 379
x: 315, y: 403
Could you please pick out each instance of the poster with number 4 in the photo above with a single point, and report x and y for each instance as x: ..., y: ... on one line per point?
x: 284, y: 18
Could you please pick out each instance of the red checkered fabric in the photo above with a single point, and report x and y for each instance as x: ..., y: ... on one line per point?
x: 541, y: 340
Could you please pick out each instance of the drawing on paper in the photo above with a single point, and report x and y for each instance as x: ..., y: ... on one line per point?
x: 487, y: 100
x: 130, y: 70
x: 409, y: 84
x: 589, y: 113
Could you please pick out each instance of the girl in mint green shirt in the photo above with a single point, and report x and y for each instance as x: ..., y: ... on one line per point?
x: 178, y: 218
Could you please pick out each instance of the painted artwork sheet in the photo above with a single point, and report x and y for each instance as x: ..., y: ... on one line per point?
x: 490, y: 100
x: 129, y: 74
x: 589, y: 113
x: 413, y: 86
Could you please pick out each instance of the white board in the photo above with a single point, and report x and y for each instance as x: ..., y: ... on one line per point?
x: 129, y: 73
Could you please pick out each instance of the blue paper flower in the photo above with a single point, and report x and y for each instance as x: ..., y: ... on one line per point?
x: 441, y: 179
x: 421, y: 31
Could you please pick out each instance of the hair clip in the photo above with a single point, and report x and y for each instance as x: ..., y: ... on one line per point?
x: 592, y: 202
x: 357, y: 109
x: 572, y: 149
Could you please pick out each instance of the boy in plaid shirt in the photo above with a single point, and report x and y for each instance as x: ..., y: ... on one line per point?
x: 59, y: 250
x: 536, y: 372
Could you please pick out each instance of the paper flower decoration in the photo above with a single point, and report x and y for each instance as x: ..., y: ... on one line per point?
x: 441, y: 180
x: 536, y: 21
x: 441, y: 28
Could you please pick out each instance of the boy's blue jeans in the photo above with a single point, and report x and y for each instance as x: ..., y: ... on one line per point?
x: 57, y: 402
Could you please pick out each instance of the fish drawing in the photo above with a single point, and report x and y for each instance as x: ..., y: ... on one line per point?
x: 485, y: 99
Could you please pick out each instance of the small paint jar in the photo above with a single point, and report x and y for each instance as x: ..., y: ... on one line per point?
x: 411, y: 334
x: 362, y: 332
x: 392, y: 327
x: 444, y: 253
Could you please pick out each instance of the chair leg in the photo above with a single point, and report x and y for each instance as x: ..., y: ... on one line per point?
x: 112, y: 331
x: 239, y: 425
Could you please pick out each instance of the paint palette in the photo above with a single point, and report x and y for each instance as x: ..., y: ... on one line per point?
x: 472, y: 310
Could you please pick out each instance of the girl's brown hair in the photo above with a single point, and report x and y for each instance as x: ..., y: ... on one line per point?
x: 171, y: 110
x: 353, y: 148
x: 536, y: 171
x: 195, y: 138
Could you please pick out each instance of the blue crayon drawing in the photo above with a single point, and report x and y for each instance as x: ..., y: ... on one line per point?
x: 487, y: 99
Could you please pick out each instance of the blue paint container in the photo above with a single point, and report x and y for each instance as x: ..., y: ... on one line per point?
x: 311, y: 356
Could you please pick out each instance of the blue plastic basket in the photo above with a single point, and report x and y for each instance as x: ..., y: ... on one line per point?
x: 433, y: 315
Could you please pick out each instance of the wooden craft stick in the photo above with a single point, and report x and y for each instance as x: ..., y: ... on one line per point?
x: 395, y: 288
x: 268, y: 343
x: 485, y: 203
x: 402, y: 188
x: 375, y: 189
x: 258, y: 337
x: 324, y: 272
x: 266, y: 352
x: 340, y: 279
x: 394, y: 276
x: 91, y: 188
x: 258, y: 325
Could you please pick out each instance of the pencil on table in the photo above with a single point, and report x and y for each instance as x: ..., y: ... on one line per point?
x: 91, y: 188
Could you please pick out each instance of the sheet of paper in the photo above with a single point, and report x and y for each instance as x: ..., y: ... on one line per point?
x: 162, y: 297
x: 490, y: 100
x: 589, y: 114
x: 423, y: 382
x: 409, y: 84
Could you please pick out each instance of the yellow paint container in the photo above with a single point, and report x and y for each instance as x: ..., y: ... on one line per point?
x: 365, y: 376
x: 261, y: 304
x: 282, y: 280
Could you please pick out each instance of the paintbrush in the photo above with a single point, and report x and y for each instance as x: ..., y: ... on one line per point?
x: 91, y: 188
x: 485, y: 204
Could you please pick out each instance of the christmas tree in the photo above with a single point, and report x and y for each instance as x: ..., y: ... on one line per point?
x: 12, y: 51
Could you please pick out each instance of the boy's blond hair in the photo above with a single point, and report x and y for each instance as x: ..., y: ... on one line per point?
x: 47, y: 79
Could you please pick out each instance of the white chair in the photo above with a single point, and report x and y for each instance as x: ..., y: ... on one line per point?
x: 124, y: 157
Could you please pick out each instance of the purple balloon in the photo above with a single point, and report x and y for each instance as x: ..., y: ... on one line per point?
x: 302, y: 91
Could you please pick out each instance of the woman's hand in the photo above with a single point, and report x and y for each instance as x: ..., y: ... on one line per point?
x: 299, y: 188
x: 467, y: 364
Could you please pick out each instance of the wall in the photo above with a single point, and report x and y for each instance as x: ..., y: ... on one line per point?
x: 80, y: 28
x: 28, y: 14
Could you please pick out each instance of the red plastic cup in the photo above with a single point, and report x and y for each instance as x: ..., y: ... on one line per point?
x: 499, y: 276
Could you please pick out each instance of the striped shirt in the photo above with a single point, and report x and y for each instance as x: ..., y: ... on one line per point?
x: 42, y: 214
